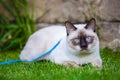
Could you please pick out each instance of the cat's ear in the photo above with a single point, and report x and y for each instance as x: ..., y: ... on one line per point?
x: 91, y: 25
x: 69, y: 27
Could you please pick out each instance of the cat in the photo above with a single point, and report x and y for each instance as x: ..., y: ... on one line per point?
x: 79, y: 45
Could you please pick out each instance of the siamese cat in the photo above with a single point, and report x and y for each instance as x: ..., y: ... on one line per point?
x: 79, y: 45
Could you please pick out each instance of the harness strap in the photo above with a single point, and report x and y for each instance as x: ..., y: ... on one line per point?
x: 39, y: 57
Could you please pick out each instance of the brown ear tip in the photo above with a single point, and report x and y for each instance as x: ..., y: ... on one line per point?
x: 67, y: 22
x: 92, y: 19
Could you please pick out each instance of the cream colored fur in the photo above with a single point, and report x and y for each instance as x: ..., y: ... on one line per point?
x: 66, y: 53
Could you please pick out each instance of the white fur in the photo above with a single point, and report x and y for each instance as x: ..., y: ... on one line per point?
x: 44, y: 39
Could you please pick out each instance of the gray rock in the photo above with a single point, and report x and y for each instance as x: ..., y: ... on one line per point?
x: 109, y: 34
x: 106, y: 12
x: 53, y: 11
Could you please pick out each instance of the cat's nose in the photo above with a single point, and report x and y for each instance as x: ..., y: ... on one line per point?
x: 83, y: 45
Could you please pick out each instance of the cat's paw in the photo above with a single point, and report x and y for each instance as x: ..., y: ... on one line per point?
x: 97, y: 63
x: 70, y: 63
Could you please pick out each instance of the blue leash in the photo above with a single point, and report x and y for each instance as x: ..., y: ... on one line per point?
x: 44, y: 54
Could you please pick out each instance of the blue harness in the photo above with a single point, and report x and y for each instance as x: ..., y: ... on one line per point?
x: 39, y: 57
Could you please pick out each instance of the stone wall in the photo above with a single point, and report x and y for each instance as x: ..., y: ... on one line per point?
x: 106, y: 12
x: 53, y: 11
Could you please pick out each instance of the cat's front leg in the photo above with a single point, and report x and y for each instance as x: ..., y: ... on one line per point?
x: 66, y: 63
x: 70, y: 63
x: 97, y: 63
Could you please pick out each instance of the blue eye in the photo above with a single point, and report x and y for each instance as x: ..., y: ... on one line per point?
x: 88, y: 38
x: 76, y: 40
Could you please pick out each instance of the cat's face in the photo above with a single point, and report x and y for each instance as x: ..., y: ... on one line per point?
x: 82, y: 39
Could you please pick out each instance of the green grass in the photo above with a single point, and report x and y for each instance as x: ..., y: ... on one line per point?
x: 14, y: 33
x: 51, y: 71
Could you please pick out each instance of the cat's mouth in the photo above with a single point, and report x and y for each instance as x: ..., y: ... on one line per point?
x: 84, y: 53
x: 84, y: 49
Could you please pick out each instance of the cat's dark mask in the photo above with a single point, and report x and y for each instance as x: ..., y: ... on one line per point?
x: 81, y: 39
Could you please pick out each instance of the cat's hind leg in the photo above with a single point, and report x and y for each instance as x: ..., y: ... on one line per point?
x: 28, y: 54
x: 33, y: 48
